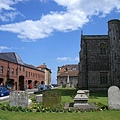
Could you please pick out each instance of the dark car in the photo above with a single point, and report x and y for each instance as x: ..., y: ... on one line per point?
x: 4, y: 91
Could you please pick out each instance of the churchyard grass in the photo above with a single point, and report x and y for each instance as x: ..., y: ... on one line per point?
x: 101, y: 115
x: 67, y: 96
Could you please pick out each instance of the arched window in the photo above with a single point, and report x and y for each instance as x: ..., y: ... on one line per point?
x: 103, y: 49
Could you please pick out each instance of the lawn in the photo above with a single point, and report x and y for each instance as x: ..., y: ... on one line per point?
x: 67, y: 96
x: 105, y: 115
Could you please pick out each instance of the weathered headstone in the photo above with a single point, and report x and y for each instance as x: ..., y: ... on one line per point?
x: 51, y: 99
x: 19, y: 98
x: 114, y: 97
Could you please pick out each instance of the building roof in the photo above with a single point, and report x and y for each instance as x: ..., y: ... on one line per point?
x: 14, y: 58
x: 11, y: 57
x: 70, y: 73
x: 43, y: 67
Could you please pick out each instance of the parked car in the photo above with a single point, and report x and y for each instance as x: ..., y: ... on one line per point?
x: 50, y: 86
x: 4, y: 91
x: 42, y: 87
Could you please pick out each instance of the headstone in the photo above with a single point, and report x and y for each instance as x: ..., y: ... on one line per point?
x: 39, y: 98
x: 51, y: 99
x: 114, y: 97
x: 19, y: 98
x: 81, y: 100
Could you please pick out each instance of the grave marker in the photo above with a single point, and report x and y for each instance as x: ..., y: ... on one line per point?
x: 114, y: 97
x: 51, y: 99
x: 19, y: 98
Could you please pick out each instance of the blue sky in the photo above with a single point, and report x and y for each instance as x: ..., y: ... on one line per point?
x: 49, y: 31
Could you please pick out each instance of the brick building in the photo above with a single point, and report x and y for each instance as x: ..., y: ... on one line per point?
x: 16, y: 74
x: 67, y: 75
x: 99, y: 65
x: 47, y: 73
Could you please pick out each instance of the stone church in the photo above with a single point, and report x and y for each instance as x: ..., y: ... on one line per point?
x: 99, y: 61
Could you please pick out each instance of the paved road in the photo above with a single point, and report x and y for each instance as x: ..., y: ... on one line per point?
x: 32, y: 90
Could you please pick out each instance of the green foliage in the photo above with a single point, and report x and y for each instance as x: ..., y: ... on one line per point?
x: 67, y: 96
x: 32, y: 97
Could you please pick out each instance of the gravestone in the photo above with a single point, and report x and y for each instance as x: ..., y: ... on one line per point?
x: 81, y: 100
x: 19, y: 98
x: 114, y: 97
x: 51, y: 99
x: 87, y: 92
x: 39, y: 98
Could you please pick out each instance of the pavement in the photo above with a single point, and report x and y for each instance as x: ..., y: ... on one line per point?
x: 3, y: 99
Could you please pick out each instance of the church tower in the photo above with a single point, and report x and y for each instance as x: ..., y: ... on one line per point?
x: 114, y: 37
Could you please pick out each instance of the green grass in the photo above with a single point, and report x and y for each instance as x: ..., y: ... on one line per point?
x: 99, y: 97
x: 67, y: 96
x: 106, y: 115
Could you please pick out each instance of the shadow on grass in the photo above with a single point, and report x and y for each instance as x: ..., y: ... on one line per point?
x: 99, y: 94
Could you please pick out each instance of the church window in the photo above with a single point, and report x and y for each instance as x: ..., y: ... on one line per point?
x: 103, y: 78
x: 103, y: 49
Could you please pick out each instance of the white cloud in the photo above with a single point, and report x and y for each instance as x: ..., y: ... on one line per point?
x: 5, y: 48
x: 63, y: 59
x: 7, y: 4
x: 10, y: 16
x: 78, y: 13
x: 7, y: 12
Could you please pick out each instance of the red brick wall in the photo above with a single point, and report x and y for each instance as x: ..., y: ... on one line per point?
x: 28, y: 74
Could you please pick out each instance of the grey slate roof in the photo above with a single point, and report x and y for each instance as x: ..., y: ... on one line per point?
x: 14, y: 58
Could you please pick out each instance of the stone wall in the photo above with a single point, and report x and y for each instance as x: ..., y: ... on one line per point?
x: 92, y: 62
